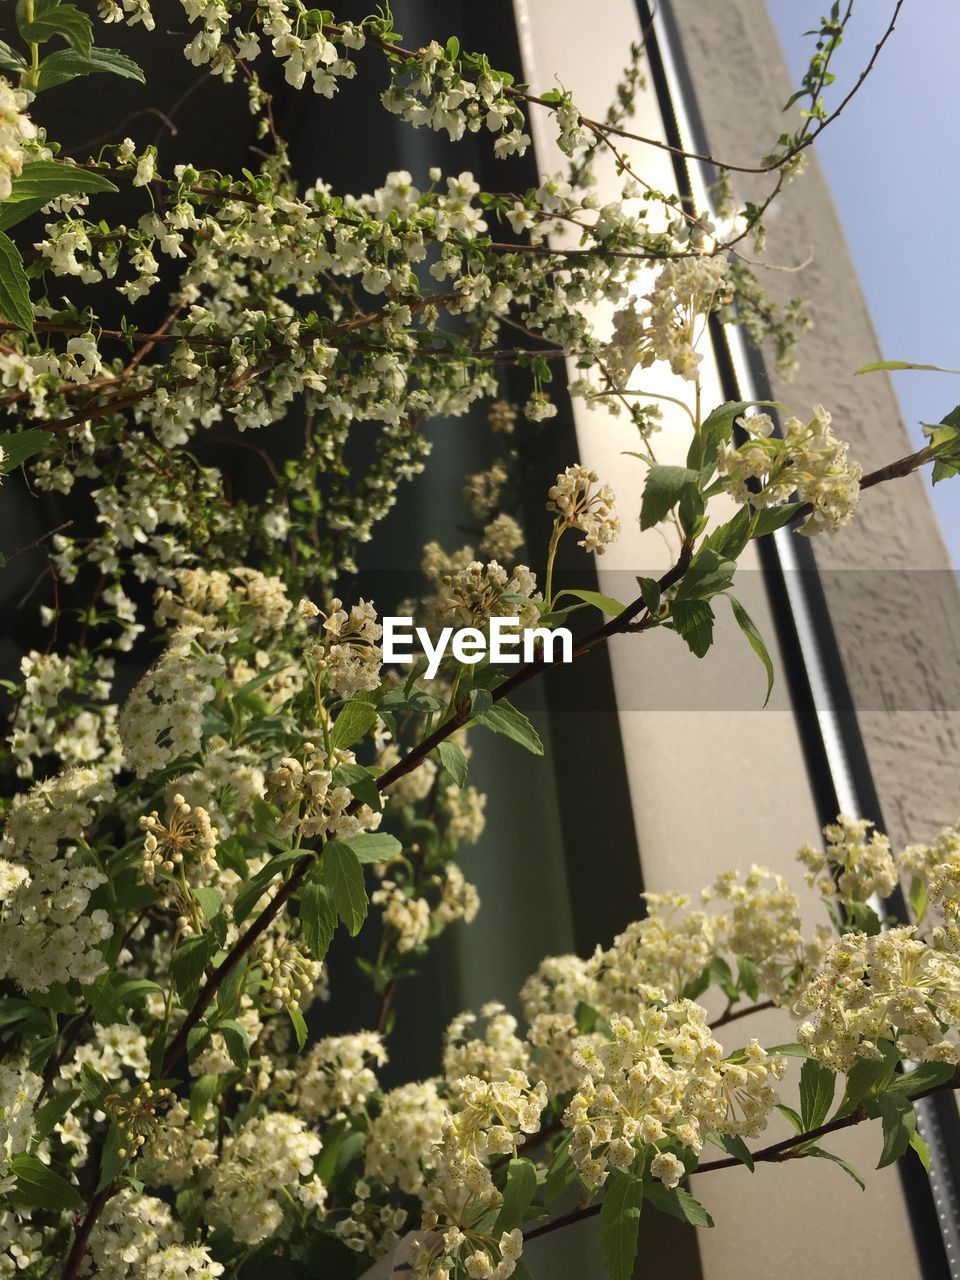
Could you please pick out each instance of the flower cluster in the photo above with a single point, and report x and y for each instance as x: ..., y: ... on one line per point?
x: 893, y: 987
x: 582, y: 503
x: 668, y: 328
x: 855, y: 865
x: 267, y: 1161
x: 662, y: 1079
x: 16, y: 128
x: 809, y: 461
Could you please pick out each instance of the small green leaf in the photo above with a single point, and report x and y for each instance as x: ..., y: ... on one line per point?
x: 93, y: 1085
x: 237, y: 1042
x: 504, y: 718
x: 52, y: 1113
x: 755, y: 640
x: 343, y: 877
x: 15, y: 303
x: 620, y: 1224
x: 201, y: 1095
x: 39, y: 1187
x: 188, y: 963
x: 866, y: 1077
x: 454, y: 761
x: 772, y: 518
x: 896, y: 365
x: 734, y: 1146
x: 253, y: 889
x: 10, y: 60
x: 693, y: 620
x: 709, y: 573
x: 318, y: 917
x: 114, y: 1158
x: 844, y: 1164
x: 817, y: 1086
x: 650, y: 594
x: 66, y: 64
x: 899, y: 1122
x: 678, y: 1203
x: 606, y: 604
x: 663, y: 489
x: 64, y: 20
x: 518, y: 1193
x: 354, y: 722
x: 300, y: 1028
x: 18, y: 446
x: 361, y: 782
x: 920, y: 1147
x: 929, y: 1075
x: 374, y: 846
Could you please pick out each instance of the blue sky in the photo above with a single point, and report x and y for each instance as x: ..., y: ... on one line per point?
x: 893, y: 163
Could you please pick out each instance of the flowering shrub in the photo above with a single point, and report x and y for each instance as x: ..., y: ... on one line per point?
x: 177, y: 857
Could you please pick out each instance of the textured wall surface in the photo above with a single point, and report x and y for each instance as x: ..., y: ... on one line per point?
x: 894, y: 602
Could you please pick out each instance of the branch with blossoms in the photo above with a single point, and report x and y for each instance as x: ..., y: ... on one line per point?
x: 187, y: 865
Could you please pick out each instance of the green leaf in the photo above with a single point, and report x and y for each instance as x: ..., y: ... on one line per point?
x: 354, y: 722
x: 844, y: 1164
x: 791, y: 1050
x: 253, y: 890
x: 693, y: 620
x: 896, y: 365
x: 866, y: 1077
x: 453, y: 760
x: 734, y: 1146
x: 650, y: 594
x: 772, y: 518
x: 920, y: 1147
x: 201, y: 1095
x: 606, y: 604
x: 237, y: 1042
x: 93, y: 1085
x: 709, y: 573
x: 620, y: 1224
x: 663, y: 489
x: 791, y: 1115
x: 561, y: 1172
x: 504, y: 718
x: 10, y: 60
x: 899, y: 1122
x: 717, y: 429
x: 39, y: 1187
x: 929, y: 1075
x: 15, y: 303
x: 300, y: 1028
x: 318, y: 917
x: 64, y: 20
x: 361, y: 782
x: 52, y: 1113
x: 817, y: 1086
x: 114, y: 1157
x: 188, y: 963
x: 755, y: 640
x: 518, y: 1193
x: 678, y: 1203
x: 343, y: 877
x: 747, y: 978
x: 729, y: 539
x: 373, y: 846
x: 18, y: 446
x: 66, y: 64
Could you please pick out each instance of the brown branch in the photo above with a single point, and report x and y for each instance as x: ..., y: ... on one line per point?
x: 732, y: 1015
x: 775, y: 1153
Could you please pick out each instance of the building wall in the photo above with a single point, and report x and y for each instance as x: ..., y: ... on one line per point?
x: 690, y: 728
